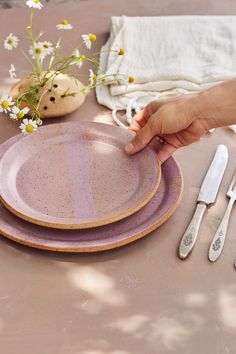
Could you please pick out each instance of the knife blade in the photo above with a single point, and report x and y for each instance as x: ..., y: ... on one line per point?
x: 207, y: 196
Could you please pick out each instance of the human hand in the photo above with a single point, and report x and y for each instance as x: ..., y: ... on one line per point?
x: 183, y: 120
x: 175, y: 121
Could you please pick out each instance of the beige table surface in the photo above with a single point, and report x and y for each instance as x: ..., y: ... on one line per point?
x: 139, y: 299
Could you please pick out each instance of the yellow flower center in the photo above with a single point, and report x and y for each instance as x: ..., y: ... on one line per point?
x: 64, y: 22
x: 82, y: 57
x: 20, y: 115
x: 10, y: 41
x: 121, y: 51
x: 94, y: 77
x: 92, y: 37
x: 38, y: 51
x: 130, y: 79
x: 46, y: 46
x: 29, y: 128
x: 36, y: 1
x: 4, y: 104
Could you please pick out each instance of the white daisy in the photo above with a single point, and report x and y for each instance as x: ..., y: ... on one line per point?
x: 92, y: 77
x: 11, y: 42
x: 6, y: 103
x: 88, y: 39
x: 18, y: 113
x: 36, y: 4
x: 47, y: 47
x: 28, y: 126
x: 37, y: 51
x: 64, y: 25
x: 78, y: 58
x: 12, y: 71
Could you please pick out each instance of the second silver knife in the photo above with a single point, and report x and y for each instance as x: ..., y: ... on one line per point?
x: 206, y: 197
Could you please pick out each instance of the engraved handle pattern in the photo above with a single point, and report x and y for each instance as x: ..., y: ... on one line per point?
x: 218, y: 241
x: 189, y: 238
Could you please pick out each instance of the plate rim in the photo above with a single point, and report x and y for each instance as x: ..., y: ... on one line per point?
x: 101, y: 248
x: 107, y: 246
x: 86, y: 225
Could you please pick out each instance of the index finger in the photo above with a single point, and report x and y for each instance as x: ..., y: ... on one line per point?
x: 141, y: 118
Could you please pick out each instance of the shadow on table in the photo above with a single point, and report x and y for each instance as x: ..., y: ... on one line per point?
x: 128, y: 300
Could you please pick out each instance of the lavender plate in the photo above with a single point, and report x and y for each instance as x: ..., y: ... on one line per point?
x: 150, y: 217
x: 76, y: 176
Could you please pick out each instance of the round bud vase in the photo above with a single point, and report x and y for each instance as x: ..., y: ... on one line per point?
x: 60, y: 95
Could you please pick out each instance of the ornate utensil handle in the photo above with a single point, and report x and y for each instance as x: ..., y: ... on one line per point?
x: 219, y: 238
x: 189, y: 238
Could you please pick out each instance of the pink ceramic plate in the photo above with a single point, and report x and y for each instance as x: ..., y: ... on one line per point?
x: 155, y: 213
x: 76, y: 175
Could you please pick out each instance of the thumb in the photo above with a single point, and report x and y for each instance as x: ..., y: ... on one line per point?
x: 142, y: 138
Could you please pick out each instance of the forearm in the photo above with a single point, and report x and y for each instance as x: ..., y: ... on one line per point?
x: 217, y: 105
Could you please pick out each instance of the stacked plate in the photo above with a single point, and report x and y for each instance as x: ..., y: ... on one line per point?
x: 70, y: 187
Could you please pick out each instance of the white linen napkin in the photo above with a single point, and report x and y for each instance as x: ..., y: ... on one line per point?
x: 167, y: 56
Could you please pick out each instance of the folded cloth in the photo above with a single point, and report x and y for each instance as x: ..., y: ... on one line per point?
x: 167, y: 56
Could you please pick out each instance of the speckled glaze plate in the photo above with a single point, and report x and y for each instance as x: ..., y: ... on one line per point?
x: 76, y: 175
x: 150, y: 217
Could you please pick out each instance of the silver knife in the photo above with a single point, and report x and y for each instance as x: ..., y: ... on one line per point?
x: 207, y: 196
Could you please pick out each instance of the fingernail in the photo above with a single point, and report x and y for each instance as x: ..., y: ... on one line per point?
x: 129, y: 148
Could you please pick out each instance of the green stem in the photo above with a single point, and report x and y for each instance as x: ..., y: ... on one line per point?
x: 77, y: 47
x: 94, y: 63
x: 104, y: 51
x: 57, y: 47
x: 40, y: 99
x: 30, y: 27
x: 27, y: 58
x: 32, y: 40
x: 61, y: 61
x: 38, y: 36
x: 63, y: 66
x: 20, y: 99
x: 37, y: 67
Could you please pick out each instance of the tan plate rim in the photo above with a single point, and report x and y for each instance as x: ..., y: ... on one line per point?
x: 111, y: 245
